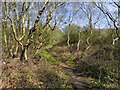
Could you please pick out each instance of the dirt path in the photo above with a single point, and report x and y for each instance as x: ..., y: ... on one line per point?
x: 77, y: 81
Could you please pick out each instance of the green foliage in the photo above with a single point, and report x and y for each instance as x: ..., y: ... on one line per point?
x: 53, y: 80
x: 49, y: 58
x: 95, y: 84
x: 71, y: 59
x: 69, y: 86
x: 55, y: 37
x: 73, y: 30
x: 54, y: 53
x: 48, y: 46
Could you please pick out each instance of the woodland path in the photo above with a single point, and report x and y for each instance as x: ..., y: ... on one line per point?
x: 77, y: 81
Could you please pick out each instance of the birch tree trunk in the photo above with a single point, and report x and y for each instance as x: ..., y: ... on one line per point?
x: 78, y: 45
x: 68, y: 41
x: 16, y: 50
x: 22, y: 35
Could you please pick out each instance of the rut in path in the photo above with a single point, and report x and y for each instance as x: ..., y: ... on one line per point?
x: 76, y: 81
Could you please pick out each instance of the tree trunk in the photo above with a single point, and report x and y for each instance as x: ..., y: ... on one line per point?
x: 16, y: 50
x: 11, y: 51
x: 78, y: 45
x: 5, y: 35
x: 24, y: 54
x: 5, y: 39
x: 68, y: 41
x: 83, y: 54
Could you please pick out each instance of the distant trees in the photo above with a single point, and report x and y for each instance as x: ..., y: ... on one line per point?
x: 113, y: 16
x: 73, y: 34
x: 84, y: 11
x: 95, y: 13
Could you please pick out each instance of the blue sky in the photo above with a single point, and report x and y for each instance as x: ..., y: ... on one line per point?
x: 82, y: 20
x: 79, y: 19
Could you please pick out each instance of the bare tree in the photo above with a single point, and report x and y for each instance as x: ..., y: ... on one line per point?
x: 23, y: 35
x: 113, y: 18
x: 89, y: 9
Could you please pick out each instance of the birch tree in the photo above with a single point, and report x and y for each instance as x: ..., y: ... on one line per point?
x: 89, y: 9
x: 23, y: 35
x: 111, y: 15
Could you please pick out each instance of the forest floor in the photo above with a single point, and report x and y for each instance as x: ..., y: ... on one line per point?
x: 77, y: 81
x: 84, y: 71
x: 40, y: 73
x: 53, y: 67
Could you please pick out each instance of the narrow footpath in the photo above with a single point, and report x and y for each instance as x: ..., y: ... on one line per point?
x: 77, y: 81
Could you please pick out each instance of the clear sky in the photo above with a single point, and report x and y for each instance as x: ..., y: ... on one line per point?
x: 80, y: 18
